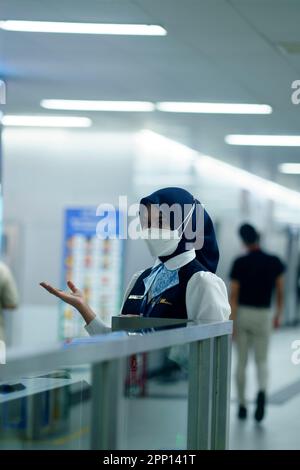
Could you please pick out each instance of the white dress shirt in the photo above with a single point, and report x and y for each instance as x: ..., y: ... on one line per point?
x: 206, y: 295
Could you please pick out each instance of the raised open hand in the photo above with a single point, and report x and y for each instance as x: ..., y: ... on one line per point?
x: 74, y: 297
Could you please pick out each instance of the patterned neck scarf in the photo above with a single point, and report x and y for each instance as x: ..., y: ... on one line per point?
x: 160, y: 279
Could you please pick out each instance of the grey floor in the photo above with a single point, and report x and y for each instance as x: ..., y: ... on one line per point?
x: 281, y: 427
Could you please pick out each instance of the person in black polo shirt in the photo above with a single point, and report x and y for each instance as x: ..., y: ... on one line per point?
x: 254, y: 278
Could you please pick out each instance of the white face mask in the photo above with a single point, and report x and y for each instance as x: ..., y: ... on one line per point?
x: 163, y: 241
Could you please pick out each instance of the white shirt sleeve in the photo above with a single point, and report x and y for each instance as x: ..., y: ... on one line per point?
x: 97, y: 326
x: 206, y: 298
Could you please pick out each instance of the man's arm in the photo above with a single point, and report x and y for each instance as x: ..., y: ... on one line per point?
x: 279, y: 294
x: 234, y: 302
x: 234, y: 298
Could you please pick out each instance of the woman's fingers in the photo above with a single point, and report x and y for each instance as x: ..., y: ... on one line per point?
x: 72, y: 287
x: 72, y: 298
x: 45, y: 285
x: 52, y: 290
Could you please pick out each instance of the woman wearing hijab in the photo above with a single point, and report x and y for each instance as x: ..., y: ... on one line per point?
x: 182, y: 283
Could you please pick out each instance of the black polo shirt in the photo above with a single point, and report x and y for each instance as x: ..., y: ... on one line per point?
x: 256, y: 272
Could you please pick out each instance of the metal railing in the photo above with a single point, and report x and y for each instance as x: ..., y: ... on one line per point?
x: 209, y: 376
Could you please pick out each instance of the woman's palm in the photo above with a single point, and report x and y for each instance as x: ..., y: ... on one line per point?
x: 74, y: 297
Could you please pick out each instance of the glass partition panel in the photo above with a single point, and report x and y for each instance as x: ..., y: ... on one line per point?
x: 49, y: 411
x: 126, y: 398
x: 155, y: 400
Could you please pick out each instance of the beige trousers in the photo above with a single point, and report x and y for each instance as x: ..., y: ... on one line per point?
x: 2, y: 332
x: 253, y: 329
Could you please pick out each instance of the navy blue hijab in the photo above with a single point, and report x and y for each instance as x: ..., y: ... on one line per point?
x: 208, y: 255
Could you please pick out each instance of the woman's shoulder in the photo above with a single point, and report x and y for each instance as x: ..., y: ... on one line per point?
x: 206, y: 278
x: 138, y: 274
x: 206, y: 295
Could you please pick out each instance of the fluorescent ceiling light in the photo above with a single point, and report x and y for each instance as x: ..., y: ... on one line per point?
x: 264, y: 140
x: 90, y: 105
x: 214, y: 108
x: 83, y: 28
x: 146, y: 106
x: 290, y: 168
x: 45, y: 121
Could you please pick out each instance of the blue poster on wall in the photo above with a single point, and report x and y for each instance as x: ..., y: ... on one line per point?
x: 92, y: 259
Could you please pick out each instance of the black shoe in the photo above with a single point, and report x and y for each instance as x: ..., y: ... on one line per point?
x: 260, y: 406
x: 242, y: 414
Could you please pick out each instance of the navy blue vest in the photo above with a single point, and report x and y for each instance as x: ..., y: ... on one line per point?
x: 169, y: 304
